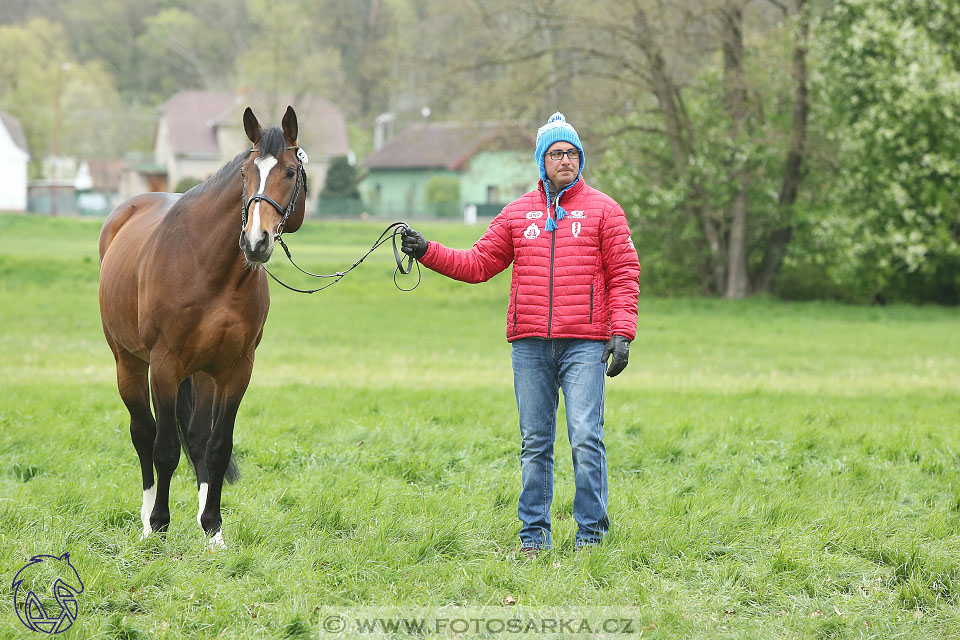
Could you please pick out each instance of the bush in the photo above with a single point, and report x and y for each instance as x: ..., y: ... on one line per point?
x: 186, y: 183
x: 341, y: 180
x: 443, y: 195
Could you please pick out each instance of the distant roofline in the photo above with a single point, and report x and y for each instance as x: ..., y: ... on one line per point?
x: 486, y: 131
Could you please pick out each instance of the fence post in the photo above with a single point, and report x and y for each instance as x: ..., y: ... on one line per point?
x: 470, y: 214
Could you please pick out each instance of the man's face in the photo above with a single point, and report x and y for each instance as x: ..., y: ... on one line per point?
x: 561, y: 172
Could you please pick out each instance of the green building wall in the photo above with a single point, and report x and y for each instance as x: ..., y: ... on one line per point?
x: 497, y: 177
x: 398, y: 192
x: 491, y: 177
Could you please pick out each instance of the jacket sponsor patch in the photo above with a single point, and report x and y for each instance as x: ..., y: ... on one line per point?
x: 534, y: 215
x: 576, y: 214
x: 532, y: 231
x: 575, y: 228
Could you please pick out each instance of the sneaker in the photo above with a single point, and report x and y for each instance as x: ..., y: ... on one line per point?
x: 529, y: 552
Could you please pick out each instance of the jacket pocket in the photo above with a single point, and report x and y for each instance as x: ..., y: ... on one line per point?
x: 515, y: 294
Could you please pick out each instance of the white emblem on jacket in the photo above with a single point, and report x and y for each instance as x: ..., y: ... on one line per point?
x: 577, y: 214
x: 534, y: 215
x: 532, y: 231
x: 575, y: 227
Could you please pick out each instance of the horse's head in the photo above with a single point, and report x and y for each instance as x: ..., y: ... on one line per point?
x: 273, y: 174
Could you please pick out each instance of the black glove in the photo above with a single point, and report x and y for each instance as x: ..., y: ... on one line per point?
x: 620, y: 348
x: 413, y: 243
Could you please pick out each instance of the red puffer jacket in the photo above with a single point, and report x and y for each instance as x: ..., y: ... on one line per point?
x: 581, y: 281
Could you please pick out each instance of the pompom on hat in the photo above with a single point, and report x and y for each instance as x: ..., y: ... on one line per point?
x: 555, y: 130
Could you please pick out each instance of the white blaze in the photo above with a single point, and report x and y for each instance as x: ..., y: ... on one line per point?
x: 149, y: 497
x: 264, y: 165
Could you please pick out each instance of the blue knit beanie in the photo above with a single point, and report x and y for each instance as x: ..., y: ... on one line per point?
x: 555, y: 130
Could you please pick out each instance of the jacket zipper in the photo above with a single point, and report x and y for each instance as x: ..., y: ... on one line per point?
x: 553, y: 245
x: 591, y: 304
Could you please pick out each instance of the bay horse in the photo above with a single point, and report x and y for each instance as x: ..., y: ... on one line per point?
x: 183, y: 306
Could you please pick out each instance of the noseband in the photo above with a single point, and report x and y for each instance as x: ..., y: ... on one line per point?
x: 301, y: 181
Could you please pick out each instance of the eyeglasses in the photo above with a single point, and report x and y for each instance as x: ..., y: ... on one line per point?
x: 556, y: 156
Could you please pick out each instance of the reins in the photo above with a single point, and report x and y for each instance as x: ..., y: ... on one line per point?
x: 390, y: 233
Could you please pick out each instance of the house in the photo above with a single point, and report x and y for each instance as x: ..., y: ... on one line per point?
x: 439, y: 169
x: 14, y: 157
x: 98, y: 185
x: 199, y: 131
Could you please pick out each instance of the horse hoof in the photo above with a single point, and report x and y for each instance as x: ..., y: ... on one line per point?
x: 216, y: 542
x: 146, y: 534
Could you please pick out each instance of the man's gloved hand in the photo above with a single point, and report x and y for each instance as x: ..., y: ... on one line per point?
x: 620, y: 348
x: 413, y: 243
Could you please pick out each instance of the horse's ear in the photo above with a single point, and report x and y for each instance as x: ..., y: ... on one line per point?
x: 289, y: 124
x: 251, y: 126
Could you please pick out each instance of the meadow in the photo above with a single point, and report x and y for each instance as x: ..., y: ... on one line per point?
x: 777, y: 470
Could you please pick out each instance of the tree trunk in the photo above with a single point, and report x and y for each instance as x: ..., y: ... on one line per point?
x: 793, y: 169
x: 735, y: 102
x: 738, y: 280
x: 680, y: 133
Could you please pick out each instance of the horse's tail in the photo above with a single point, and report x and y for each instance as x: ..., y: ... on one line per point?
x: 185, y: 403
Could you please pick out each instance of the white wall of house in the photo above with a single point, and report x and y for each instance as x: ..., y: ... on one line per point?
x: 199, y: 166
x: 13, y: 174
x: 132, y: 183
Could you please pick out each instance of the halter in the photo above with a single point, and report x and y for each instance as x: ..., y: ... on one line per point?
x: 245, y: 204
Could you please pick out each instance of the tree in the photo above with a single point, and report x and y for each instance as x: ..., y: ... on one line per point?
x: 716, y: 157
x: 184, y: 52
x: 341, y: 180
x: 288, y: 58
x: 889, y: 219
x: 361, y: 35
x: 66, y: 107
x: 106, y: 31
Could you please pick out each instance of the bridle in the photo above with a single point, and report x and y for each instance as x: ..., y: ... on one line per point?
x: 390, y: 233
x: 300, y: 184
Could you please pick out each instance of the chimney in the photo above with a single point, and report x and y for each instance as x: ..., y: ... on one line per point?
x: 382, y: 130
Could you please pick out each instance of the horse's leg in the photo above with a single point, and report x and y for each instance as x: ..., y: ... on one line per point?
x: 198, y: 432
x: 135, y: 393
x: 231, y: 385
x: 164, y: 381
x: 200, y: 423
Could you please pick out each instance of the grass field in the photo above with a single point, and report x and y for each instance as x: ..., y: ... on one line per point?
x: 776, y: 470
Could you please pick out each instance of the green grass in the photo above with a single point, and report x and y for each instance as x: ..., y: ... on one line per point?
x: 776, y: 470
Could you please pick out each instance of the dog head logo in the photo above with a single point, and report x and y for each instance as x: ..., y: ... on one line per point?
x: 45, y: 594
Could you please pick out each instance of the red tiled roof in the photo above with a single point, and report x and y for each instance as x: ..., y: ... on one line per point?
x: 192, y: 118
x: 446, y: 145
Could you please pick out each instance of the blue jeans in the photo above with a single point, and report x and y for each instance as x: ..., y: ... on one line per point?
x: 541, y: 367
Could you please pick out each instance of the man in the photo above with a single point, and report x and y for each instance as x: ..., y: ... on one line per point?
x: 573, y: 307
